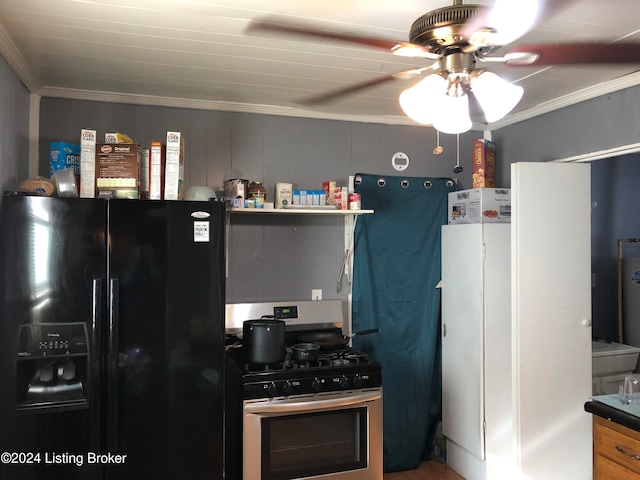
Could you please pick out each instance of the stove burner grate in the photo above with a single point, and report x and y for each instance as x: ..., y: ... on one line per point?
x: 328, y: 359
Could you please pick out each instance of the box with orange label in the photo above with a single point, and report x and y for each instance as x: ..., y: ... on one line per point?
x: 480, y: 205
x: 483, y: 174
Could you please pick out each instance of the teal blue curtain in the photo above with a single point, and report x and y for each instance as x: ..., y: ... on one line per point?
x: 396, y: 271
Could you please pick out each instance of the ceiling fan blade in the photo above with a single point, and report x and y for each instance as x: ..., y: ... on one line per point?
x: 278, y: 26
x: 504, y: 21
x: 341, y: 92
x: 573, y: 54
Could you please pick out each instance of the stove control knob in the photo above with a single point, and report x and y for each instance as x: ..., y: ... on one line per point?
x: 316, y: 385
x: 272, y: 390
x: 287, y: 388
x: 357, y: 381
x: 344, y: 382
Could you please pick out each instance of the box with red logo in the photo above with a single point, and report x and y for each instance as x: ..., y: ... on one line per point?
x: 341, y: 198
x: 484, y: 164
x: 329, y: 187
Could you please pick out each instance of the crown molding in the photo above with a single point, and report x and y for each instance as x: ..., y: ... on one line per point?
x: 17, y: 62
x: 10, y: 52
x: 627, y: 81
x: 138, y: 99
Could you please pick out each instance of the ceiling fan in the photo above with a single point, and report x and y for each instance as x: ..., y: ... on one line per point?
x: 457, y: 38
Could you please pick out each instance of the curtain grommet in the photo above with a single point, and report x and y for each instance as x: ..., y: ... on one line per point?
x: 381, y: 182
x: 428, y: 184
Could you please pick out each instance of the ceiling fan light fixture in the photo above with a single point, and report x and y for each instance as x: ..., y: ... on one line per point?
x: 453, y: 115
x: 496, y: 96
x: 421, y: 101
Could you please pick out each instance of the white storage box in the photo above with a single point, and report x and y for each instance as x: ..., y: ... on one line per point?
x: 480, y: 205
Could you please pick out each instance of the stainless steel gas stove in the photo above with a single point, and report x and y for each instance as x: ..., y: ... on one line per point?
x: 296, y: 420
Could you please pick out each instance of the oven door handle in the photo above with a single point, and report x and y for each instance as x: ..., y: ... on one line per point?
x: 308, y: 406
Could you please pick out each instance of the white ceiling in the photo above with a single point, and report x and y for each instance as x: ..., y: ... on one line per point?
x: 194, y: 53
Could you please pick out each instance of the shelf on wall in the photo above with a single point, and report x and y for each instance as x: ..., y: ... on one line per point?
x: 296, y: 211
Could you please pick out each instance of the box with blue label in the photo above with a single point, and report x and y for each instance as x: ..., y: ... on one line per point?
x: 64, y: 155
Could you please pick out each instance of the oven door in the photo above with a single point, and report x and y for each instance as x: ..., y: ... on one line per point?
x: 336, y: 435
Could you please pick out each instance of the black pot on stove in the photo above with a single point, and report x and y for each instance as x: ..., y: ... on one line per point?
x: 263, y: 341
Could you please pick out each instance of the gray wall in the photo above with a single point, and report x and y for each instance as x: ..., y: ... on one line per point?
x: 14, y: 129
x: 598, y: 124
x: 277, y: 257
x: 283, y: 257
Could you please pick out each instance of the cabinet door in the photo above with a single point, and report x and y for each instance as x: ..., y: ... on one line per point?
x: 551, y: 287
x: 615, y: 450
x: 463, y: 336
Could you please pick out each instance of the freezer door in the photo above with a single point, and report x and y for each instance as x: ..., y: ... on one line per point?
x: 52, y: 288
x: 167, y: 339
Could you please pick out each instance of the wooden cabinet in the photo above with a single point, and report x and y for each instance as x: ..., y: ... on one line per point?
x: 616, y: 451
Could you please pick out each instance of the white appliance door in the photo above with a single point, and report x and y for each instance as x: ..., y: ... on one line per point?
x: 463, y: 337
x: 551, y: 271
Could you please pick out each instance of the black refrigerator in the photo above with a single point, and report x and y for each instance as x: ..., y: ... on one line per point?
x: 111, y: 339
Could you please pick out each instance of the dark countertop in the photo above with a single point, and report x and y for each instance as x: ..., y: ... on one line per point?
x: 613, y: 414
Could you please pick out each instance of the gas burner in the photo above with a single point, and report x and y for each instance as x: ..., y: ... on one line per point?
x: 346, y: 356
x: 337, y: 362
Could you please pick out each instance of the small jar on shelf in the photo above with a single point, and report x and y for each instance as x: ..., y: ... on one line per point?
x: 257, y: 189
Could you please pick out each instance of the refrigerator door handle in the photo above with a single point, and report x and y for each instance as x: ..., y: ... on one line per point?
x: 95, y: 397
x: 112, y: 367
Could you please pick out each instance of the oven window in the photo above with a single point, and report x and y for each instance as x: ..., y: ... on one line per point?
x: 305, y: 445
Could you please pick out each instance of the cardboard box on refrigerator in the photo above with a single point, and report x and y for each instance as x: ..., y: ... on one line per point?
x: 483, y: 174
x: 174, y: 166
x: 144, y: 173
x: 118, y: 170
x: 156, y: 170
x: 64, y: 155
x: 480, y: 205
x: 87, y: 163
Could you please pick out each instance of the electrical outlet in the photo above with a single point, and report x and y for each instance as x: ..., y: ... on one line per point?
x: 316, y: 294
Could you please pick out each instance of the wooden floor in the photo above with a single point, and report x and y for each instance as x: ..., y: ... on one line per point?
x: 431, y: 470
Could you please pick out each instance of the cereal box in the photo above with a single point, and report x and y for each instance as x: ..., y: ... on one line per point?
x: 118, y: 170
x: 174, y: 166
x: 87, y: 163
x: 484, y: 164
x: 156, y: 170
x: 64, y: 155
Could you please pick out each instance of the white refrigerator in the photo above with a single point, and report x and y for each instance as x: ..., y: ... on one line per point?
x: 516, y: 333
x: 477, y: 410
